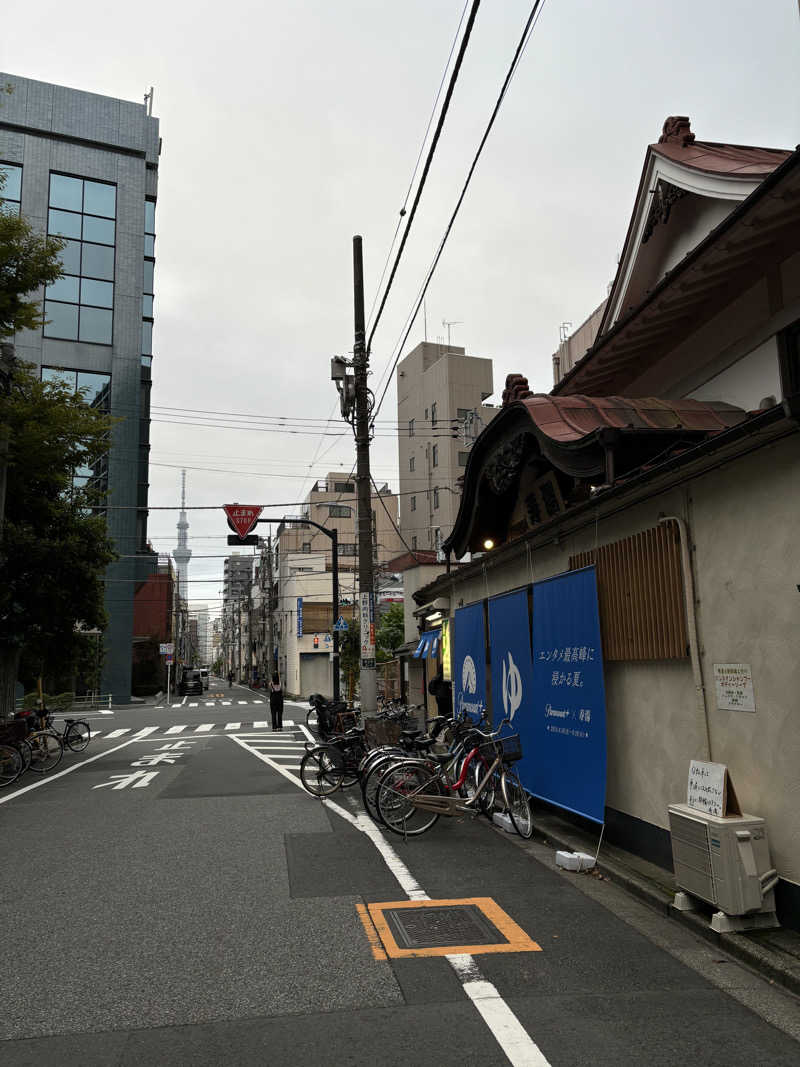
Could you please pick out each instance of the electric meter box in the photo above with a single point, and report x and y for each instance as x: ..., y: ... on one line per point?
x: 724, y: 861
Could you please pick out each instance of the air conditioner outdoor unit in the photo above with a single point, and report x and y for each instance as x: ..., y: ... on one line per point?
x: 724, y: 861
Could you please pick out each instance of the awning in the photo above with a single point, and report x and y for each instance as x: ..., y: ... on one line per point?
x: 428, y: 644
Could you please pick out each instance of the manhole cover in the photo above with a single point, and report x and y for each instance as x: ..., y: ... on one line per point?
x: 460, y: 924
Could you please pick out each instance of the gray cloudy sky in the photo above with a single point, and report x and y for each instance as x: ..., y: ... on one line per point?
x: 289, y: 127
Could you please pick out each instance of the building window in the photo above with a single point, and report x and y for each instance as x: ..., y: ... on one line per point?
x: 411, y: 463
x: 433, y: 413
x: 435, y: 456
x: 437, y: 539
x: 426, y: 414
x: 11, y: 192
x: 462, y: 458
x: 347, y: 548
x: 436, y: 498
x: 414, y: 542
x: 306, y: 546
x: 79, y: 305
x: 463, y: 414
x: 374, y: 528
x: 96, y: 391
x: 413, y: 503
x: 339, y: 511
x: 148, y: 274
x: 343, y: 487
x: 410, y: 427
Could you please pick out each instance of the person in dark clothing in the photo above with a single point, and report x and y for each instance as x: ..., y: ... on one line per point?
x: 276, y: 701
x: 442, y: 691
x: 230, y: 679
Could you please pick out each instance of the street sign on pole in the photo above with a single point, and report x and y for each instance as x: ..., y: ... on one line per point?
x: 242, y: 517
x: 341, y: 624
x: 366, y: 603
x: 166, y: 649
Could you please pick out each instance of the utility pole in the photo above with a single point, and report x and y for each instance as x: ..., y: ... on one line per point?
x: 270, y: 660
x: 366, y: 597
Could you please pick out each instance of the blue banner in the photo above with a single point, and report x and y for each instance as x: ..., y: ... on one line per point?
x: 566, y: 757
x: 299, y: 616
x: 512, y: 669
x: 469, y: 662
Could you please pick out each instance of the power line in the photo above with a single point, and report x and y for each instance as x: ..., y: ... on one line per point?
x: 521, y: 46
x: 431, y: 152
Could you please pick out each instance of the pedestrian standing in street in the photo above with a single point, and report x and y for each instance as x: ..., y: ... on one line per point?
x: 276, y: 701
x: 230, y: 679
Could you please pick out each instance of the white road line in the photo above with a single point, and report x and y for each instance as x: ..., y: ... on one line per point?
x: 176, y: 705
x: 308, y: 733
x: 194, y: 705
x: 226, y: 703
x: 261, y: 725
x: 242, y: 701
x: 96, y: 733
x: 106, y: 712
x: 176, y: 729
x: 184, y: 700
x: 517, y: 1044
x: 233, y: 725
x: 210, y: 703
x: 118, y: 733
x: 52, y: 777
x: 288, y: 722
x: 144, y: 732
x: 204, y: 728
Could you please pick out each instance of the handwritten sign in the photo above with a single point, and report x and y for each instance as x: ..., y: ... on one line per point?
x: 710, y: 789
x: 734, y: 683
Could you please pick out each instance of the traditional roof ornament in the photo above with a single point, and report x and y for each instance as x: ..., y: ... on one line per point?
x: 517, y: 388
x: 676, y: 130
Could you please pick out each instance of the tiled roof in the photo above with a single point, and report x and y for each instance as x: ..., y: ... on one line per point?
x: 713, y: 158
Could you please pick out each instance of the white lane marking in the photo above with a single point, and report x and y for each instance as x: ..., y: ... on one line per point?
x: 204, y: 728
x: 233, y: 725
x: 194, y: 705
x: 261, y: 725
x: 184, y: 700
x: 517, y: 1044
x: 226, y: 703
x: 288, y: 722
x: 210, y: 703
x: 118, y: 733
x: 242, y: 701
x: 52, y: 777
x: 176, y: 705
x: 308, y: 733
x: 144, y: 732
x: 175, y: 729
x: 106, y: 712
x: 96, y: 733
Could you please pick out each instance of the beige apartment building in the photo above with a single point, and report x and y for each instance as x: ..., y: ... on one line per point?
x: 440, y: 411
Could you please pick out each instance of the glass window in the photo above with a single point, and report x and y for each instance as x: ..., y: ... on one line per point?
x: 9, y: 207
x: 95, y: 326
x: 347, y: 549
x: 60, y: 376
x: 99, y: 230
x: 410, y: 427
x: 413, y: 503
x: 147, y: 361
x: 100, y: 199
x: 433, y: 413
x: 462, y: 458
x: 147, y: 306
x: 411, y: 463
x: 436, y: 498
x: 98, y: 262
x: 149, y: 244
x: 12, y: 190
x: 149, y: 216
x: 413, y: 542
x: 66, y: 192
x: 62, y: 320
x: 435, y: 453
x: 147, y: 338
x: 70, y: 257
x: 344, y: 487
x: 65, y: 289
x: 94, y: 387
x: 101, y: 294
x: 147, y: 287
x: 464, y: 413
x: 339, y: 511
x: 64, y: 223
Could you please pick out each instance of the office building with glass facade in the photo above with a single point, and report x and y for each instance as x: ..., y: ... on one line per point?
x: 85, y: 167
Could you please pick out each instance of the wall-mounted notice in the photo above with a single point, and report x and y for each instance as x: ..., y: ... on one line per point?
x: 710, y: 789
x: 734, y: 682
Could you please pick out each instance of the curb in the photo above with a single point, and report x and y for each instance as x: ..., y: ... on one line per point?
x: 737, y: 945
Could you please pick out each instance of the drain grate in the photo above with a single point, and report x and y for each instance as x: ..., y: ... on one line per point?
x: 456, y: 924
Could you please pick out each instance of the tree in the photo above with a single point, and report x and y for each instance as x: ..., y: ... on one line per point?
x: 53, y: 548
x: 391, y: 632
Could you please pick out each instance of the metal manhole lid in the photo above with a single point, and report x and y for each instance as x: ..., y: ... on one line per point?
x: 433, y: 927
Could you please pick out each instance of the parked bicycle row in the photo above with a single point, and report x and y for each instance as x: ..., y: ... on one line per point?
x: 33, y: 742
x: 455, y: 769
x: 330, y: 718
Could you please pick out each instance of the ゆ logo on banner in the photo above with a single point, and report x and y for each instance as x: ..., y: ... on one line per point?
x: 512, y: 688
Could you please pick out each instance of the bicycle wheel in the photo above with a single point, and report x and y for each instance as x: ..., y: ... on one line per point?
x: 517, y: 804
x: 10, y: 765
x: 78, y: 736
x: 395, y: 803
x: 312, y: 719
x: 371, y: 780
x: 475, y: 775
x: 46, y: 751
x: 322, y: 771
x: 24, y: 750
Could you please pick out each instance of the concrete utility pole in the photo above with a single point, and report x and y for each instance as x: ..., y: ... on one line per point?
x: 270, y: 660
x: 366, y: 599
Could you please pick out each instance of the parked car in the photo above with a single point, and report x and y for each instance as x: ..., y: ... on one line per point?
x: 204, y: 676
x: 191, y: 683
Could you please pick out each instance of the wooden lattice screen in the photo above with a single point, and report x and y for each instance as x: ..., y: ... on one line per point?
x: 317, y: 618
x: 640, y: 592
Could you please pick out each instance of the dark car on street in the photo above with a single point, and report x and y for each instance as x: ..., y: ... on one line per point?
x: 191, y: 683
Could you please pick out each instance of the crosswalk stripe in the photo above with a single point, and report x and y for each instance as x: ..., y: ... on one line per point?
x: 233, y: 725
x: 210, y: 703
x: 260, y: 725
x: 147, y: 730
x: 242, y: 701
x: 176, y: 705
x: 176, y: 729
x: 119, y: 733
x: 96, y: 733
x: 194, y: 705
x: 204, y: 728
x: 288, y: 722
x: 226, y: 703
x: 258, y: 701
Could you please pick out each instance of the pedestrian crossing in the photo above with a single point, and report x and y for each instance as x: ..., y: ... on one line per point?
x: 207, y: 704
x: 133, y: 734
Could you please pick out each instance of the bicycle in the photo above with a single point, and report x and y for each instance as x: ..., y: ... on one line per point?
x: 11, y: 764
x: 76, y: 734
x: 332, y: 765
x: 412, y: 795
x: 44, y: 745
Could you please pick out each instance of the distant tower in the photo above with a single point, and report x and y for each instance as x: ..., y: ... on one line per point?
x: 183, y: 553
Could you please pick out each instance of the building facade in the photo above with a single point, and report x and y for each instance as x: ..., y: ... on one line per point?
x: 237, y: 581
x: 85, y: 167
x: 440, y: 411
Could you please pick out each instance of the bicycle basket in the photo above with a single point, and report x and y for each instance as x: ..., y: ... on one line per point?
x: 511, y: 748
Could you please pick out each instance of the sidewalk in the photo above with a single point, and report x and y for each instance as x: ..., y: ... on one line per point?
x: 773, y: 953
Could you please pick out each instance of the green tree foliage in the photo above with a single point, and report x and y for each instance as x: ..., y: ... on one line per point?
x: 53, y: 550
x: 391, y: 632
x: 28, y: 260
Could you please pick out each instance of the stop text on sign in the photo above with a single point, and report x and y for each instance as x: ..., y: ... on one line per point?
x: 242, y: 517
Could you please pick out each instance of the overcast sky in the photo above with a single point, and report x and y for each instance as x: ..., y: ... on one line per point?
x: 289, y: 127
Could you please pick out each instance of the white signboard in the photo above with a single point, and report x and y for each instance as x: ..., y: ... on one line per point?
x: 166, y: 650
x: 706, y: 790
x: 734, y: 682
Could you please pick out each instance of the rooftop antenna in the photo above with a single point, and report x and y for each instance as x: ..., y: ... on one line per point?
x: 449, y: 325
x: 148, y: 101
x: 563, y: 331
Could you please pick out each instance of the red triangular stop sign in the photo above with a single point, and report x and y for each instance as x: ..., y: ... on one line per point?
x: 242, y: 517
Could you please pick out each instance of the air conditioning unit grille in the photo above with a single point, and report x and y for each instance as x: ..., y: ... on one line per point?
x: 690, y: 854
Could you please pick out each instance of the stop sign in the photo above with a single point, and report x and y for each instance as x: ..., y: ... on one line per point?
x: 242, y: 517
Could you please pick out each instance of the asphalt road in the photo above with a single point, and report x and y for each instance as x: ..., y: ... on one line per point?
x: 172, y: 896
